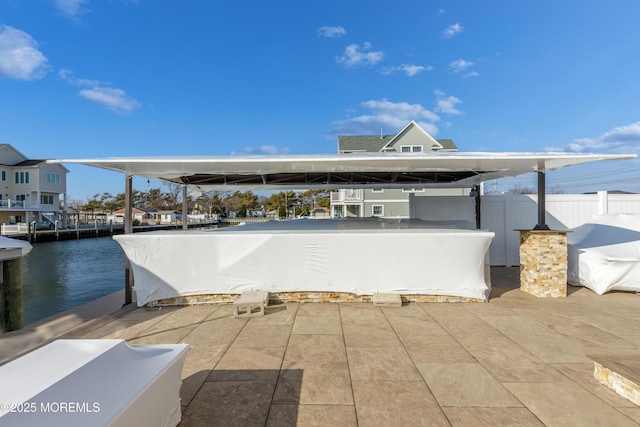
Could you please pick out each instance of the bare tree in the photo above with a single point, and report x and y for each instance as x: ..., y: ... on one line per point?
x: 172, y: 195
x: 519, y: 189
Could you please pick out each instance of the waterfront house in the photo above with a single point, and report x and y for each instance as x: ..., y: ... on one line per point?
x: 138, y: 216
x: 148, y: 216
x: 31, y: 190
x: 385, y: 202
x: 320, y: 213
x: 168, y: 216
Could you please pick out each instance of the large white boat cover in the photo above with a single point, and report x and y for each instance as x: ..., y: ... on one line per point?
x: 360, y: 256
x: 604, y: 253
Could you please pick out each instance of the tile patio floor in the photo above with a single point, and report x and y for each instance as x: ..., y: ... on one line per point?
x: 517, y: 360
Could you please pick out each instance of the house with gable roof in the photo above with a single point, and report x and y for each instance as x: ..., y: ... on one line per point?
x: 387, y: 203
x: 30, y: 190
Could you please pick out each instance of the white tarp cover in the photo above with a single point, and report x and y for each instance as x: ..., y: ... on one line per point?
x: 604, y: 253
x: 93, y: 383
x: 360, y: 256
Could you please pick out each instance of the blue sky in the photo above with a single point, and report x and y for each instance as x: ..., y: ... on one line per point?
x: 88, y: 78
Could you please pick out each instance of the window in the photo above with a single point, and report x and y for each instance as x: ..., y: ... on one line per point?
x: 377, y: 210
x: 22, y: 177
x: 46, y: 199
x: 411, y: 148
x: 413, y: 190
x: 21, y: 197
x: 53, y: 178
x: 377, y: 190
x: 4, y: 175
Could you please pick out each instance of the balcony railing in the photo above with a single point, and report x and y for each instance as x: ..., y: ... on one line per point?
x: 347, y: 195
x: 23, y: 204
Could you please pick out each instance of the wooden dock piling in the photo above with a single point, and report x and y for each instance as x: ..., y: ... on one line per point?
x: 11, y: 307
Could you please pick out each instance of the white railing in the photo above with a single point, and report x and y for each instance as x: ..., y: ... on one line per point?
x: 348, y: 195
x: 20, y: 228
x: 18, y: 204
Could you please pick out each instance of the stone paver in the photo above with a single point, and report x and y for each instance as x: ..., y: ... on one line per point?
x: 516, y: 360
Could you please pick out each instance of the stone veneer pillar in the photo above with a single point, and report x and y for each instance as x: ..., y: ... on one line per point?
x: 543, y: 262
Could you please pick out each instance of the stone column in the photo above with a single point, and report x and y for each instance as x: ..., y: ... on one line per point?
x: 543, y: 262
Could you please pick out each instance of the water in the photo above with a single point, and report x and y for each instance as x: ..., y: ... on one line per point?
x: 60, y: 275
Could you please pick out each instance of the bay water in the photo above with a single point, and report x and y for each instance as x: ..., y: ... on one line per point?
x: 63, y: 274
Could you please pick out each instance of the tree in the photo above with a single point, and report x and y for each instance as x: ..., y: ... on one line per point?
x: 155, y: 198
x: 312, y: 198
x: 232, y: 202
x: 216, y: 202
x: 248, y: 199
x: 287, y: 200
x: 92, y: 205
x: 172, y: 196
x: 75, y: 205
x: 519, y: 189
x: 556, y: 190
x: 109, y: 203
x: 209, y: 202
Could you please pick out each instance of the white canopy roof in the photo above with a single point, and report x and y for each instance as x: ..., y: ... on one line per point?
x: 372, y: 170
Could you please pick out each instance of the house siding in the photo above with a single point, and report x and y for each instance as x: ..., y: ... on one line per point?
x: 9, y: 155
x: 390, y: 209
x: 386, y: 194
x: 414, y: 136
x: 52, y: 187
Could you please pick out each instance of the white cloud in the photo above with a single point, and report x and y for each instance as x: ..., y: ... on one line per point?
x: 622, y: 139
x: 471, y: 74
x: 263, y: 149
x: 72, y: 9
x: 65, y: 74
x: 331, y: 32
x: 451, y: 30
x: 460, y: 65
x: 20, y: 58
x: 87, y: 82
x: 355, y: 56
x: 409, y: 69
x: 68, y: 76
x: 99, y: 92
x: 113, y: 99
x: 447, y: 104
x: 388, y: 116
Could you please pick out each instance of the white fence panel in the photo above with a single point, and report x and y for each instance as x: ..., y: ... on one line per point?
x: 493, y: 217
x: 504, y: 214
x: 623, y: 203
x: 455, y: 210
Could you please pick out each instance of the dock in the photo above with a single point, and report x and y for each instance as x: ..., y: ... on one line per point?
x: 99, y: 231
